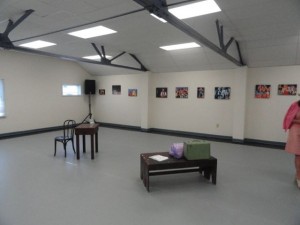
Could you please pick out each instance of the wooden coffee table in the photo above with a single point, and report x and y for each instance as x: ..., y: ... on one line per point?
x: 151, y: 167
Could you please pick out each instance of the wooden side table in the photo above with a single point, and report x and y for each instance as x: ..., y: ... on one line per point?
x: 87, y: 129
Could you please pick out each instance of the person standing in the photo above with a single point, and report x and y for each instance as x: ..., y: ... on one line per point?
x: 291, y: 123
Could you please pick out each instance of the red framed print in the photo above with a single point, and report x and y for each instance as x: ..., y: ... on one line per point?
x: 287, y: 89
x: 181, y: 92
x: 262, y: 91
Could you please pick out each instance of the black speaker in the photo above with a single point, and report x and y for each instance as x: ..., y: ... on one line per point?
x: 90, y: 87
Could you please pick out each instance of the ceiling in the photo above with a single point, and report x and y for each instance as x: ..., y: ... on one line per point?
x: 267, y: 32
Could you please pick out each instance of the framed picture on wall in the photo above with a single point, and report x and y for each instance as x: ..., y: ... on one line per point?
x: 116, y: 89
x: 222, y: 92
x: 132, y: 92
x: 181, y: 92
x: 287, y: 89
x: 162, y: 92
x: 101, y: 91
x: 200, y: 92
x: 262, y: 91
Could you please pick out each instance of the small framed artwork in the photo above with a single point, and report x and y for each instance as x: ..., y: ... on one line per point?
x: 222, y: 92
x: 200, y: 92
x: 287, y: 89
x: 262, y: 91
x: 132, y: 92
x: 181, y: 92
x: 101, y: 91
x: 161, y: 92
x: 116, y: 89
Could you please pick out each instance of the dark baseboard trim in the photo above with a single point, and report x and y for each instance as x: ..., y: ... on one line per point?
x: 29, y: 132
x: 119, y: 126
x: 210, y: 137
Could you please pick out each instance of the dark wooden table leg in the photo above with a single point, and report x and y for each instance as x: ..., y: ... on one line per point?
x: 141, y: 167
x: 83, y: 143
x: 92, y: 145
x: 77, y: 146
x: 214, y: 175
x: 96, y: 137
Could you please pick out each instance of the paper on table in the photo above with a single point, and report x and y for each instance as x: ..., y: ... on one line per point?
x: 158, y: 157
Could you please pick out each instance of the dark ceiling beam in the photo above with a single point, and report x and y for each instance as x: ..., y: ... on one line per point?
x: 12, y: 25
x: 71, y: 58
x: 5, y: 41
x: 221, y: 37
x: 158, y: 7
x: 143, y: 68
x: 97, y: 21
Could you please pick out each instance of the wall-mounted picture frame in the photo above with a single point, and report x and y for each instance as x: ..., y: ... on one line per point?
x: 181, y: 92
x: 222, y: 93
x: 161, y: 92
x: 101, y: 91
x: 116, y: 89
x: 287, y: 89
x: 132, y: 92
x: 263, y: 91
x: 200, y: 92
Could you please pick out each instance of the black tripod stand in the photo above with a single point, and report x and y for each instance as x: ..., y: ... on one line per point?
x: 90, y: 113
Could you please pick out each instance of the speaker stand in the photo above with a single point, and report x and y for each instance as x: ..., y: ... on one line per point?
x: 90, y: 113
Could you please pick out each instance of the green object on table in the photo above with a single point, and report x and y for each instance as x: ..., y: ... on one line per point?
x: 196, y: 149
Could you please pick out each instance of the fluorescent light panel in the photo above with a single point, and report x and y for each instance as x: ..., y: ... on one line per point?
x: 195, y: 9
x: 96, y: 57
x: 37, y: 44
x: 160, y: 19
x: 180, y: 46
x: 92, y: 32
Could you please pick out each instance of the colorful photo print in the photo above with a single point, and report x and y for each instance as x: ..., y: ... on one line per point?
x: 162, y: 92
x: 222, y: 92
x: 262, y: 91
x: 287, y: 89
x: 101, y: 91
x: 116, y: 89
x: 132, y: 92
x: 181, y: 92
x: 200, y: 92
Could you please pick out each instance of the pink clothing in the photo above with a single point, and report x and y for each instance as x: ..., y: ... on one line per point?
x: 290, y: 115
x: 293, y: 141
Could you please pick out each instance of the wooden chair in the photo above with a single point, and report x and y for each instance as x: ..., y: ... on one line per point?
x: 68, y: 135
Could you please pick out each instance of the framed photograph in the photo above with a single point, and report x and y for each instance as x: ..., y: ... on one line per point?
x: 116, y: 89
x: 262, y: 91
x: 132, y: 92
x: 101, y: 91
x: 200, y: 92
x: 181, y: 92
x: 222, y: 92
x: 161, y: 92
x: 287, y: 89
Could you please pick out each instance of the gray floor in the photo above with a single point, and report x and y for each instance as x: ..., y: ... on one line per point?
x: 254, y: 185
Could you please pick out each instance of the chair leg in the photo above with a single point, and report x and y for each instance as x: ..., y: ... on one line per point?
x: 54, y: 147
x: 73, y: 145
x: 65, y: 148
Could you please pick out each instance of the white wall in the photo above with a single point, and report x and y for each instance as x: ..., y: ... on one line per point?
x: 264, y: 116
x: 241, y: 117
x: 33, y: 91
x: 34, y: 100
x: 208, y: 116
x: 119, y: 109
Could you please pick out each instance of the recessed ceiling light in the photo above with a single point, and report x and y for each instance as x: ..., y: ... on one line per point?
x: 37, y: 44
x: 160, y: 19
x: 180, y: 46
x: 96, y: 57
x: 92, y: 32
x: 195, y: 9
